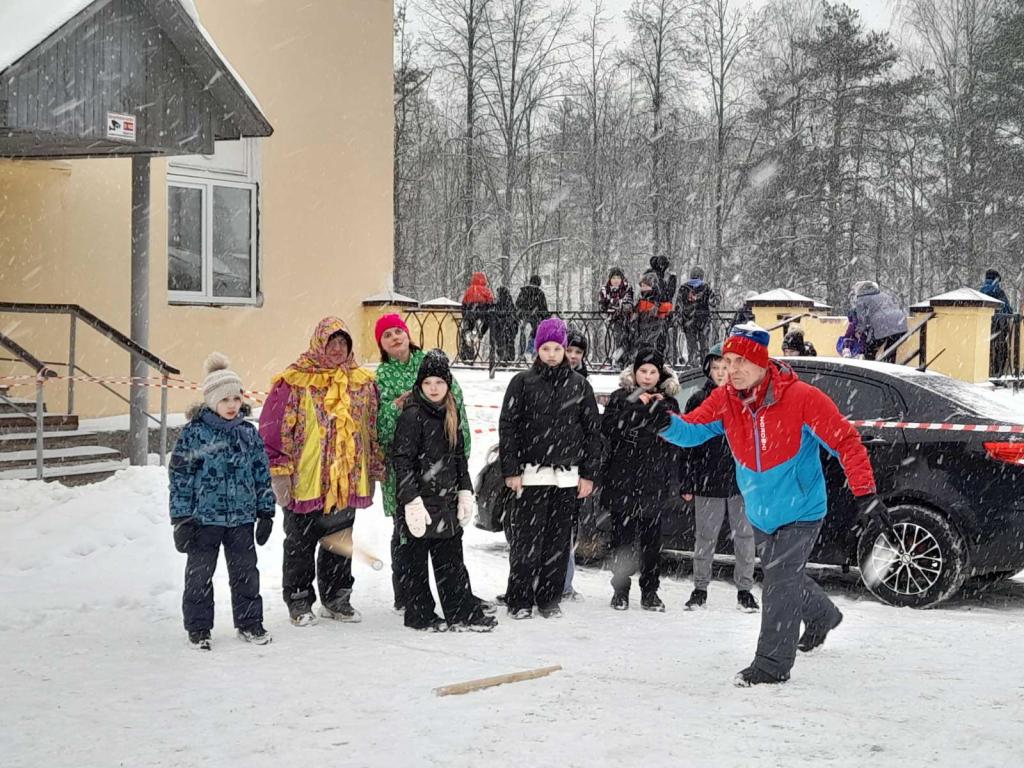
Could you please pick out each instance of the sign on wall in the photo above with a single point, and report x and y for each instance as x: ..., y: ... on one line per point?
x: 120, y: 126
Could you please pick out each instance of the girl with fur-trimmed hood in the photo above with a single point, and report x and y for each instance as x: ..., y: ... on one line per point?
x: 640, y: 476
x: 319, y: 425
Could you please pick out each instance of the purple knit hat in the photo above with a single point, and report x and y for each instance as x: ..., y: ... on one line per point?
x: 552, y: 329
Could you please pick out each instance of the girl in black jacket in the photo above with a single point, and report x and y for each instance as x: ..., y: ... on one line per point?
x: 436, y: 492
x: 640, y: 476
x: 549, y: 449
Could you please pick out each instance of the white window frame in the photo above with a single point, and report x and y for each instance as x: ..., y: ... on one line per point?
x: 199, y: 172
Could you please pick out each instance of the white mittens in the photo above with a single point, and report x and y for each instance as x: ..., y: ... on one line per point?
x: 467, y: 506
x: 416, y: 517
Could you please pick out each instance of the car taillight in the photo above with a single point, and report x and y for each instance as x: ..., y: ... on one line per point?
x: 1011, y: 453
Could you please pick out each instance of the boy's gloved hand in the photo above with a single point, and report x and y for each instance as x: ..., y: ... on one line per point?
x: 263, y: 528
x: 416, y: 517
x: 185, y: 530
x: 282, y: 487
x: 467, y: 506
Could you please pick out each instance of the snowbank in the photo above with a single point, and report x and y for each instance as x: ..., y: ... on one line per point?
x: 97, y: 672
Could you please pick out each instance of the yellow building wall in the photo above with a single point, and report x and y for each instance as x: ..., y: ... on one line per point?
x: 322, y: 72
x: 962, y: 335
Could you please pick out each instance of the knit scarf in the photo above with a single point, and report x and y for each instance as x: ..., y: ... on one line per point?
x: 311, y: 371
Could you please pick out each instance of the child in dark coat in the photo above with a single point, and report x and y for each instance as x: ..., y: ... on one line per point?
x: 709, y: 481
x: 436, y: 493
x: 640, y: 476
x: 550, y: 452
x: 219, y: 487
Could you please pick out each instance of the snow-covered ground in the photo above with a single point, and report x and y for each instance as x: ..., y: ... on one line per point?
x: 96, y: 671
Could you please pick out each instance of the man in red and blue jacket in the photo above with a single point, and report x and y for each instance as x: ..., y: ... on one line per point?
x: 775, y: 424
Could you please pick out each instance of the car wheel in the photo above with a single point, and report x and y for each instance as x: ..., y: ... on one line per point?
x: 924, y: 566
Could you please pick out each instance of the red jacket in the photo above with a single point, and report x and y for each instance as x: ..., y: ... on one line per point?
x: 778, y: 465
x: 478, y: 291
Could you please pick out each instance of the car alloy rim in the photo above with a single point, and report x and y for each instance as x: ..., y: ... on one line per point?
x: 909, y: 566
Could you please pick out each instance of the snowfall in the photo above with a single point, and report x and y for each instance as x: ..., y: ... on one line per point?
x: 97, y: 671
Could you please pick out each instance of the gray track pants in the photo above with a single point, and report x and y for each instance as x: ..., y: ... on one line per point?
x: 709, y: 514
x: 789, y: 596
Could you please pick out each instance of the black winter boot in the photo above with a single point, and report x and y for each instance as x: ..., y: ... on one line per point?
x: 815, y: 636
x: 746, y: 602
x: 620, y: 601
x: 200, y: 640
x: 698, y: 599
x: 754, y: 676
x: 651, y: 602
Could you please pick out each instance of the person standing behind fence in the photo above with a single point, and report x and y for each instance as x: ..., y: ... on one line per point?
x: 1001, y: 323
x: 504, y: 326
x: 477, y: 305
x: 651, y: 322
x: 709, y: 481
x: 617, y: 303
x: 694, y: 303
x: 794, y: 344
x: 550, y: 453
x: 532, y: 306
x: 878, y: 316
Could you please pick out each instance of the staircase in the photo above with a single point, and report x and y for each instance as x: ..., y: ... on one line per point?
x: 70, y: 455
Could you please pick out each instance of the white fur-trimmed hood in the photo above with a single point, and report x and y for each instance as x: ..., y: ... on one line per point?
x: 670, y: 386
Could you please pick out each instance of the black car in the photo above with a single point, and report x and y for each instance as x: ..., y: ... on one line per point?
x: 956, y: 497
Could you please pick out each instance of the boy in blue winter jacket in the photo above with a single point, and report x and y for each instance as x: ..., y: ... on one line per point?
x: 219, y: 491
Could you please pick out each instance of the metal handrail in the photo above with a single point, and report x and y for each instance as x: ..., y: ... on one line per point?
x: 76, y: 312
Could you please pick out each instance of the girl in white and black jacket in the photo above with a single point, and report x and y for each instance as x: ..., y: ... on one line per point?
x: 436, y: 493
x: 550, y: 449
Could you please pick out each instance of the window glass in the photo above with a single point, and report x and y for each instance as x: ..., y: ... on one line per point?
x: 232, y: 242
x: 184, y: 239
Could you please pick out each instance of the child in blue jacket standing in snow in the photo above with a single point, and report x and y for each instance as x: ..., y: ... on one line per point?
x: 219, y: 491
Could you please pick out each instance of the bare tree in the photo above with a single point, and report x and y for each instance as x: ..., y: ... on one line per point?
x: 524, y: 43
x: 657, y: 55
x: 720, y: 36
x: 456, y: 39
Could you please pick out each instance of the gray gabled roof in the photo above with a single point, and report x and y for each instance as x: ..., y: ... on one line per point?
x: 25, y: 25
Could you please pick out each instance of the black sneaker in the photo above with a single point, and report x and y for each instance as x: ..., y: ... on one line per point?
x: 815, y: 636
x: 480, y: 623
x: 620, y: 601
x: 301, y: 614
x: 551, y: 612
x: 486, y: 606
x: 200, y: 640
x: 521, y: 613
x: 433, y: 624
x: 754, y: 676
x: 651, y: 602
x: 698, y: 599
x: 340, y: 608
x: 255, y: 634
x: 745, y: 602
x: 500, y: 599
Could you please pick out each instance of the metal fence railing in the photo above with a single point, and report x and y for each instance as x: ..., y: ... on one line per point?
x: 489, y: 338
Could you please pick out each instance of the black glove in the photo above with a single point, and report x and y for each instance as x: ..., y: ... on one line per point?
x: 184, y: 532
x: 871, y: 509
x: 660, y: 415
x: 263, y: 528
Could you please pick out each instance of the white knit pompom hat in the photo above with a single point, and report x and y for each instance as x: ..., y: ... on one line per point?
x: 220, y: 382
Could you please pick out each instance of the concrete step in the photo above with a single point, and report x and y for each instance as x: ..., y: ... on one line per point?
x: 74, y: 474
x: 15, y: 422
x: 12, y: 404
x: 52, y: 457
x: 26, y: 441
